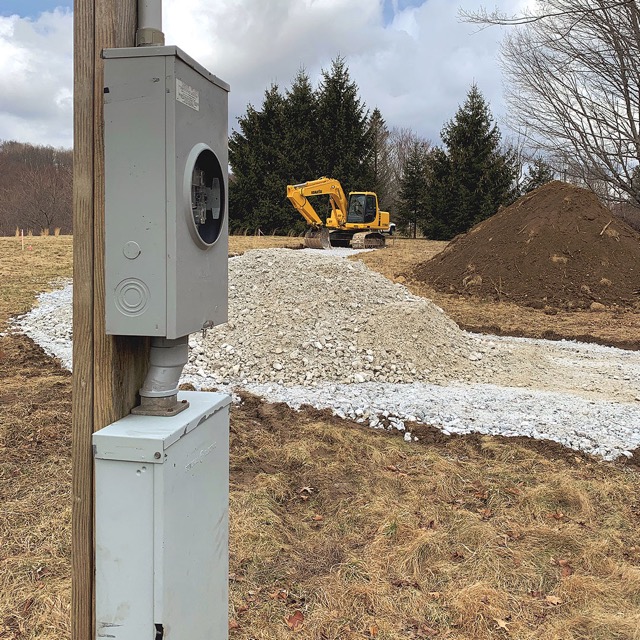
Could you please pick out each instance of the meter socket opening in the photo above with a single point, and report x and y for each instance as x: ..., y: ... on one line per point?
x: 207, y: 196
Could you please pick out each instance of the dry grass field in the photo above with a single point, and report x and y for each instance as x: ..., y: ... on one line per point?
x: 338, y: 531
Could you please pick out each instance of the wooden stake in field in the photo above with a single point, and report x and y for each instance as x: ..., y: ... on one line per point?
x: 107, y: 370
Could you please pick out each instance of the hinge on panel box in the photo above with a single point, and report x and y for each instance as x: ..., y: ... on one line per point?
x: 159, y: 632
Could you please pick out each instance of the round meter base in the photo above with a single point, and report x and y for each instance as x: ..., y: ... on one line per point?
x: 204, y: 195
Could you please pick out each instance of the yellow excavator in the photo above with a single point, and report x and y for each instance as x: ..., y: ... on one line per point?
x: 355, y: 221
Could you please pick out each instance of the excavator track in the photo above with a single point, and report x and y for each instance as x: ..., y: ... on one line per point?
x: 367, y: 240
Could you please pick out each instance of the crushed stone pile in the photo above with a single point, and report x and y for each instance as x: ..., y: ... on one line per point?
x: 298, y: 317
x: 284, y: 327
x: 556, y: 247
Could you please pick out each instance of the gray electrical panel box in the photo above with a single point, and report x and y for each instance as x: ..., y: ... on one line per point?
x: 161, y: 513
x: 166, y: 177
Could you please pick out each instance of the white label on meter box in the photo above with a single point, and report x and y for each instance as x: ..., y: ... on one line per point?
x: 187, y: 95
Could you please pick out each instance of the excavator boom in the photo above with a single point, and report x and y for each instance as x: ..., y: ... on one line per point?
x: 298, y: 194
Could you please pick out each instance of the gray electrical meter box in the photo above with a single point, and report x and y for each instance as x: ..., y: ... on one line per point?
x: 161, y: 513
x: 166, y: 176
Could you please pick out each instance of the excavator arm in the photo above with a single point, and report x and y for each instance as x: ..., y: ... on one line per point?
x: 299, y: 195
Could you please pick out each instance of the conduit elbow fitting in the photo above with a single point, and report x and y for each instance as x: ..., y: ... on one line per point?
x: 159, y: 392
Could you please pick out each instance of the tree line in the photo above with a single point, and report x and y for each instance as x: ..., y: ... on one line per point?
x: 304, y: 133
x: 573, y: 87
x: 573, y: 84
x: 35, y: 188
x: 300, y: 135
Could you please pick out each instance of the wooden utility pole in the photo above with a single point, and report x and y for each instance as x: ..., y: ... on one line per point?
x: 107, y: 370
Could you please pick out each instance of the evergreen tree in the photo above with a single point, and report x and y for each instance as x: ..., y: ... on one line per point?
x: 301, y: 136
x: 258, y: 161
x: 472, y: 177
x: 301, y: 130
x: 538, y: 173
x: 344, y: 140
x: 244, y: 178
x: 413, y: 189
x: 379, y: 159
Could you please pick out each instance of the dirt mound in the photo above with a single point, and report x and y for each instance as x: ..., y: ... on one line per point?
x: 556, y: 247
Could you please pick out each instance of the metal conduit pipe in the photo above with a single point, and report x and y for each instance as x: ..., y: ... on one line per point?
x: 159, y: 392
x: 149, y: 31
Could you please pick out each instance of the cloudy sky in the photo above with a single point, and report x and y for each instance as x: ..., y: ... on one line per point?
x: 413, y: 59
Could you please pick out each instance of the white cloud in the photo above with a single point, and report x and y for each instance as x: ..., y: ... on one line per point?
x: 417, y: 69
x: 36, y: 71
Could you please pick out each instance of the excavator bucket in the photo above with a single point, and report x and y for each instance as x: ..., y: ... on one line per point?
x: 317, y: 239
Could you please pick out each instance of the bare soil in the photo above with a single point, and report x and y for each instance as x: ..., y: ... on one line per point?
x: 557, y: 247
x: 338, y: 531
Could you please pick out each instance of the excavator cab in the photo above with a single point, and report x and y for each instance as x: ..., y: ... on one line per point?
x: 363, y: 208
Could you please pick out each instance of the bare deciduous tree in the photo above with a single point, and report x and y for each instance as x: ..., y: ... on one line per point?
x: 400, y: 143
x: 379, y: 160
x: 44, y: 196
x: 573, y: 75
x: 496, y: 17
x: 35, y: 187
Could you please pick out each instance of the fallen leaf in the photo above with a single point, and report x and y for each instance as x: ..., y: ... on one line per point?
x: 318, y: 518
x: 481, y: 495
x: 556, y: 515
x: 279, y: 595
x: 27, y: 604
x: 401, y: 584
x: 566, y: 571
x: 295, y: 622
x: 233, y: 624
x: 553, y: 600
x: 308, y: 490
x: 428, y: 631
x: 485, y: 513
x: 373, y: 630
